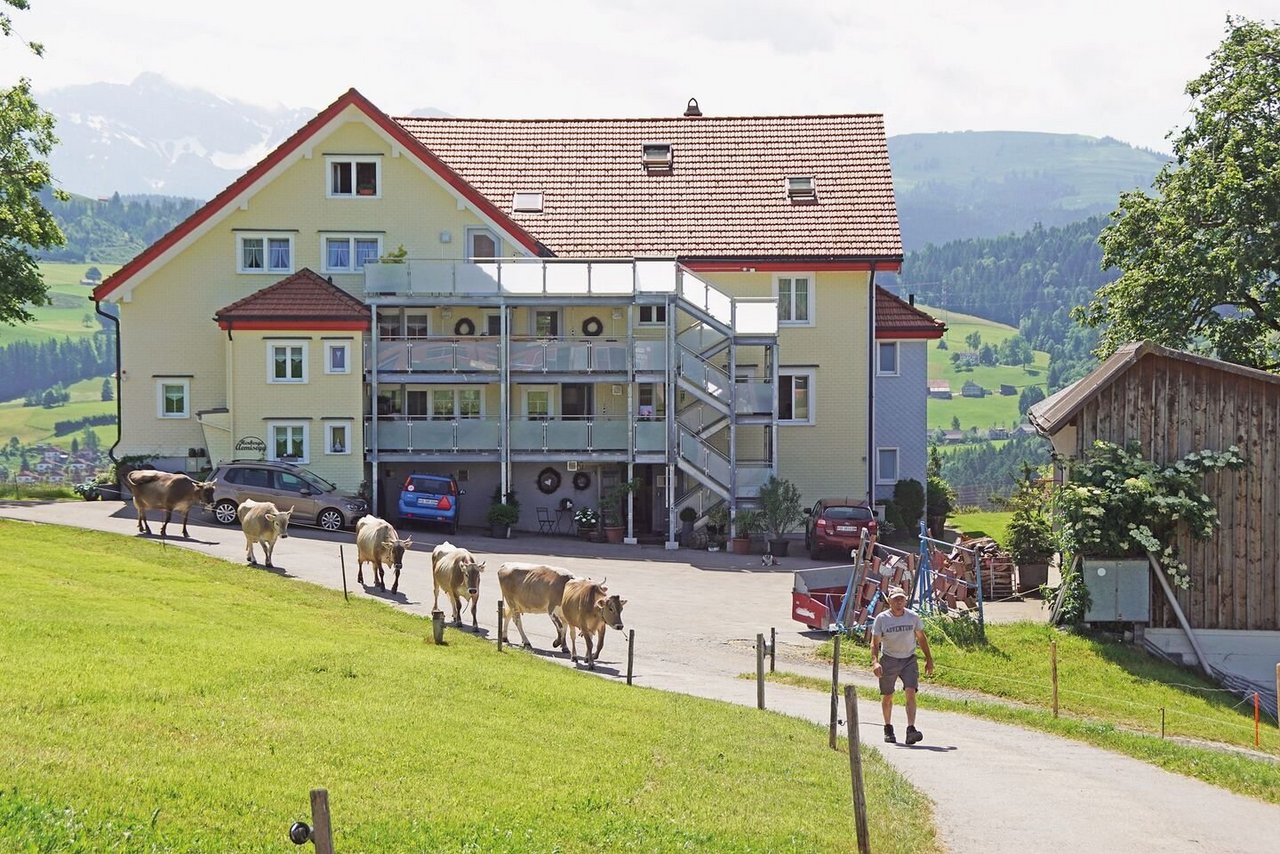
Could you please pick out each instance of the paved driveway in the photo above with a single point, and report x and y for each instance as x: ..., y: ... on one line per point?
x: 996, y: 788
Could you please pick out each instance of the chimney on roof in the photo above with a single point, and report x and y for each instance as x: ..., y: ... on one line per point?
x: 911, y: 299
x: 692, y: 111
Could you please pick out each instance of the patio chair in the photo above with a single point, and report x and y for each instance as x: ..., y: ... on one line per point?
x: 546, y: 523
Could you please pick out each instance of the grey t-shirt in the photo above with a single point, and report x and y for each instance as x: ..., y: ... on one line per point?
x: 897, y: 634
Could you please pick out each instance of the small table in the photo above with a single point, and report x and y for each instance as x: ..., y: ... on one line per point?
x: 560, y: 526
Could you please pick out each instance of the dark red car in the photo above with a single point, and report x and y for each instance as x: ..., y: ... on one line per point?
x: 835, y: 524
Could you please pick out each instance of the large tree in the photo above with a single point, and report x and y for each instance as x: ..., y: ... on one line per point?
x: 1200, y: 257
x: 26, y: 139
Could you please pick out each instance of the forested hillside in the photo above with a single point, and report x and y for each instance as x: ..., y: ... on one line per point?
x: 28, y: 367
x: 1029, y: 281
x: 113, y: 230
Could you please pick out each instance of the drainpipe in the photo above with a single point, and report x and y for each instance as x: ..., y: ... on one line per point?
x: 871, y: 392
x: 374, y: 476
x: 111, y: 452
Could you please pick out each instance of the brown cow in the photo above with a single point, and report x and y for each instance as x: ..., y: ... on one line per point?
x: 378, y: 543
x: 529, y: 588
x: 455, y: 571
x: 155, y: 490
x: 588, y: 607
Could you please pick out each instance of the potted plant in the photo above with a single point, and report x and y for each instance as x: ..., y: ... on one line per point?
x: 587, y: 519
x: 504, y: 512
x: 1029, y: 537
x: 780, y: 512
x: 717, y: 527
x: 612, y: 511
x: 687, y: 517
x: 745, y: 523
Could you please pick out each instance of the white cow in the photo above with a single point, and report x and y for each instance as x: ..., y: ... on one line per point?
x: 529, y: 588
x: 262, y: 522
x: 378, y: 543
x: 455, y: 571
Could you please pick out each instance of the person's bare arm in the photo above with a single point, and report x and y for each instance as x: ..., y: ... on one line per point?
x: 875, y: 654
x: 928, y: 656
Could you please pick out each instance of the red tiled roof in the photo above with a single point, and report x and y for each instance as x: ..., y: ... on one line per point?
x: 305, y: 300
x: 349, y: 98
x: 896, y: 318
x: 724, y: 197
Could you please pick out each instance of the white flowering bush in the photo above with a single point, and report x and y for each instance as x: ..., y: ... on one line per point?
x: 1118, y: 504
x: 586, y: 517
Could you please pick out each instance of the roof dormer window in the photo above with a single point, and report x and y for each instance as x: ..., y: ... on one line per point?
x: 526, y: 202
x: 802, y: 187
x: 656, y: 156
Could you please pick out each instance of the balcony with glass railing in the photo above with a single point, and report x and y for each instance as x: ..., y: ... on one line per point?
x: 566, y: 280
x: 567, y: 435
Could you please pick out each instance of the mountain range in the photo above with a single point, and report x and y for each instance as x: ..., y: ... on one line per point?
x: 154, y: 137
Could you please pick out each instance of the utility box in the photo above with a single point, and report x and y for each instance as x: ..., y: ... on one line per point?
x: 1119, y: 590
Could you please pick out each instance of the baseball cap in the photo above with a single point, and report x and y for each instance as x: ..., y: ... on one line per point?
x: 897, y: 592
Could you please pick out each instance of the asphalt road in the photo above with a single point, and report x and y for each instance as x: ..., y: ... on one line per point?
x: 996, y: 788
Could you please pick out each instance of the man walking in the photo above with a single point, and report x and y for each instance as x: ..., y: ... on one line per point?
x: 895, y: 633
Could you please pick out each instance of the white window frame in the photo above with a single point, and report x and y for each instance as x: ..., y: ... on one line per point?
x: 266, y: 237
x: 897, y: 465
x: 557, y: 317
x: 813, y: 302
x: 273, y: 426
x: 477, y: 230
x: 328, y: 437
x: 186, y: 397
x: 897, y: 356
x: 271, y: 354
x: 455, y: 392
x: 813, y: 405
x: 351, y: 251
x: 640, y: 321
x: 329, y: 347
x: 331, y: 161
x: 551, y: 400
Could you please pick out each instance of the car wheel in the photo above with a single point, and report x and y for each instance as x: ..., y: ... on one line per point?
x: 330, y: 519
x: 225, y: 511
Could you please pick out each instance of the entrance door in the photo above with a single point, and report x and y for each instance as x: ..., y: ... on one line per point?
x: 576, y: 400
x: 644, y: 500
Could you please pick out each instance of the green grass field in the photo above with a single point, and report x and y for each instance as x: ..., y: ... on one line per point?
x: 71, y: 305
x: 981, y: 524
x: 1110, y: 694
x: 161, y: 700
x: 982, y: 412
x: 32, y: 424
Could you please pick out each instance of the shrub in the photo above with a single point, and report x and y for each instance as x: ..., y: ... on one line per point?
x: 586, y: 517
x: 780, y: 506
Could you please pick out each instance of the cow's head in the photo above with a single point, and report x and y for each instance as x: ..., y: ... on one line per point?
x: 609, y: 609
x: 204, y: 491
x: 471, y: 571
x: 393, y: 551
x: 280, y: 522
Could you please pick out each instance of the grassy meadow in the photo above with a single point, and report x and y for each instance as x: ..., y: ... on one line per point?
x: 995, y: 409
x: 162, y: 700
x: 1109, y: 694
x: 981, y: 523
x: 71, y: 303
x: 32, y: 424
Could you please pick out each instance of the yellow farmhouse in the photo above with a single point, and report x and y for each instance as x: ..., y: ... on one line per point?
x: 544, y: 307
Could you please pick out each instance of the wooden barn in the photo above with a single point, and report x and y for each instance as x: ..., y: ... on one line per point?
x: 1171, y: 403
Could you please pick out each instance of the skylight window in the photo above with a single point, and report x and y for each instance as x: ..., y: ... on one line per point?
x: 527, y: 202
x: 656, y: 155
x: 802, y: 187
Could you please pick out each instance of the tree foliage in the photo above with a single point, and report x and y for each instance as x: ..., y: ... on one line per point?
x: 26, y: 139
x: 1200, y: 257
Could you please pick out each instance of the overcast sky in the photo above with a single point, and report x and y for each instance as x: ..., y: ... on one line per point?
x: 1098, y: 67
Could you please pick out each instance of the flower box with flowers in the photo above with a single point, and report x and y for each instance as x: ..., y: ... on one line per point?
x: 586, y: 518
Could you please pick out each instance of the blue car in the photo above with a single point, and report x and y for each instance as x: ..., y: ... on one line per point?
x: 431, y: 498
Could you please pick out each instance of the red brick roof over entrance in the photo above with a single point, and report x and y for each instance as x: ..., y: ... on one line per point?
x: 305, y: 300
x: 896, y: 318
x: 725, y: 195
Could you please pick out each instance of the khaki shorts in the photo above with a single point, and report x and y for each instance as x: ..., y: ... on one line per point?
x: 891, y: 669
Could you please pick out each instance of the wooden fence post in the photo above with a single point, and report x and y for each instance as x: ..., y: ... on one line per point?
x: 631, y: 649
x: 1053, y: 672
x: 760, y: 671
x: 855, y: 770
x: 500, y: 608
x: 835, y: 692
x: 343, y: 561
x: 321, y: 833
x: 773, y: 650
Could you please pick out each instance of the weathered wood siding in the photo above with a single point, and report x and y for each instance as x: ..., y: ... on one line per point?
x: 1172, y: 407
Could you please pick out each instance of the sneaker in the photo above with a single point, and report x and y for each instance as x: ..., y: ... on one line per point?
x: 889, y: 737
x: 914, y: 735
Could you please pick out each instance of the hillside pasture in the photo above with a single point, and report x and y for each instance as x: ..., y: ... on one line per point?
x: 193, y: 702
x: 982, y: 412
x: 70, y: 305
x: 34, y: 424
